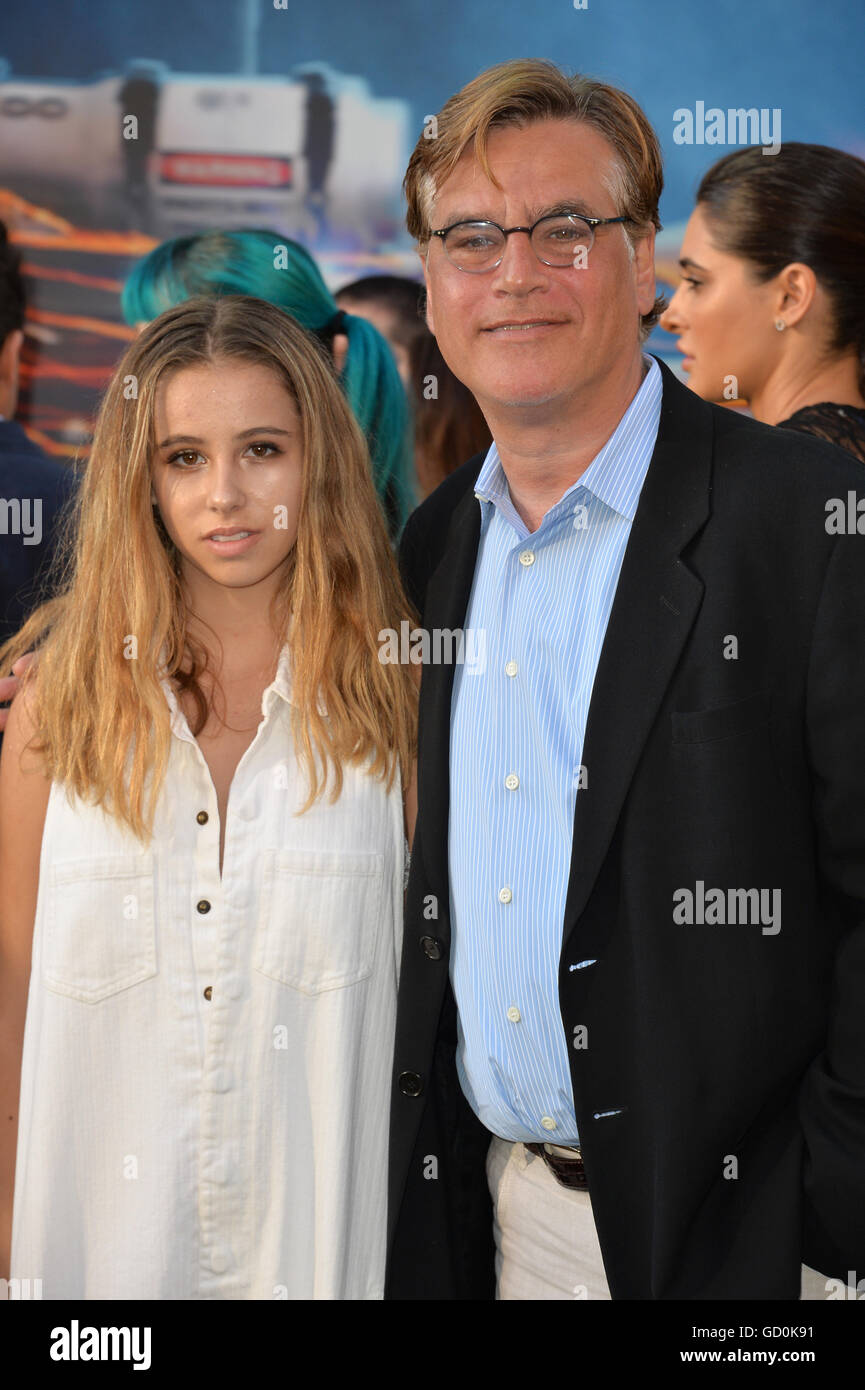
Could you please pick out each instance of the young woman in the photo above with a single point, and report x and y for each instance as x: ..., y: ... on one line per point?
x: 202, y: 841
x: 255, y: 261
x: 771, y: 305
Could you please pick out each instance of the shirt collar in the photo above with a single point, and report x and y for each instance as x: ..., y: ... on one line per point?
x: 617, y: 472
x: 279, y: 688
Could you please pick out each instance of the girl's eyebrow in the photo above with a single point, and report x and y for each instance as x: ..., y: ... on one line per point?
x: 262, y: 429
x: 196, y: 439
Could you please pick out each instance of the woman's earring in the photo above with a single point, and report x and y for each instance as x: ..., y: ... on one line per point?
x: 780, y: 325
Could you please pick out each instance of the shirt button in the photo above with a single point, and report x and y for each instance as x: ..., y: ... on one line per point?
x: 512, y: 781
x: 514, y: 1014
x: 505, y: 895
x: 202, y: 906
x: 548, y: 1122
x: 208, y: 992
x: 202, y: 818
x: 527, y: 557
x: 511, y: 668
x: 219, y: 1260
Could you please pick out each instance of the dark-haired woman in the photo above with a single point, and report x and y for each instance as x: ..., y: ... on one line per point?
x: 771, y: 305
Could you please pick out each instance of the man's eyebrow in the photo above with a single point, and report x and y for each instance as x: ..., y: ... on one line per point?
x: 244, y: 434
x: 578, y: 206
x: 460, y: 216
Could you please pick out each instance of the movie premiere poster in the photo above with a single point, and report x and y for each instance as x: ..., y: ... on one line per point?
x: 123, y: 124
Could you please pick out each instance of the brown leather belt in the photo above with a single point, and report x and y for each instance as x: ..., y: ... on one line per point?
x: 567, y: 1171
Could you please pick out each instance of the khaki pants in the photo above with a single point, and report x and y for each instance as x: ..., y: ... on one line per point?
x: 546, y: 1243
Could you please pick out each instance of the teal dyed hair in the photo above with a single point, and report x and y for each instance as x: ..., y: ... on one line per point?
x: 268, y: 266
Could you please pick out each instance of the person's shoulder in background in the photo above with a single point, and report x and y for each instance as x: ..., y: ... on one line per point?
x: 34, y: 492
x: 843, y: 425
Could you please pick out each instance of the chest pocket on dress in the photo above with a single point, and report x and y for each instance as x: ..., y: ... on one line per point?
x: 320, y: 921
x: 100, y: 929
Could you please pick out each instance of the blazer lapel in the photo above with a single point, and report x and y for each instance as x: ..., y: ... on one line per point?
x: 447, y: 598
x: 656, y: 602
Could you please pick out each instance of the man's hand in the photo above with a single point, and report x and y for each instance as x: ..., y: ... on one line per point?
x: 9, y: 684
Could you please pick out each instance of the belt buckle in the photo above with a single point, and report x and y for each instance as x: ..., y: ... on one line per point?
x: 573, y: 1176
x: 565, y: 1150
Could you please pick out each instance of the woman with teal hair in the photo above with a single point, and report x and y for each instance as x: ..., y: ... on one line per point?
x: 264, y: 264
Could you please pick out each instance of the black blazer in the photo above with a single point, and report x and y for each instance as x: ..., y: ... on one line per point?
x: 710, y: 1042
x: 25, y: 472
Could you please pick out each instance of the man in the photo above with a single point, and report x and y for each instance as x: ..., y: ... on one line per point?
x: 630, y: 1052
x: 33, y: 488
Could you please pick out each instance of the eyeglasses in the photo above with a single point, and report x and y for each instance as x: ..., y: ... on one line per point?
x: 557, y: 240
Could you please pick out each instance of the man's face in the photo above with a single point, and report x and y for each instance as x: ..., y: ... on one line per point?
x: 579, y: 321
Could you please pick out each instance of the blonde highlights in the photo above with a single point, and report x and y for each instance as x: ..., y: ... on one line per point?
x: 103, y: 719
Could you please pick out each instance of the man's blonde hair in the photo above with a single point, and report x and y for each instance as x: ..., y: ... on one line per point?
x: 519, y: 93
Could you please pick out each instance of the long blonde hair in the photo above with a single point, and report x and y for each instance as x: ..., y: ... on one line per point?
x: 103, y: 722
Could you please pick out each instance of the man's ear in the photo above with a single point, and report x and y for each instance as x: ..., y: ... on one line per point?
x: 644, y: 268
x: 430, y: 322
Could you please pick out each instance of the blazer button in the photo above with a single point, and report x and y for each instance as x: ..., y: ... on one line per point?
x: 208, y: 993
x: 202, y: 818
x: 410, y: 1083
x: 203, y: 906
x: 431, y: 947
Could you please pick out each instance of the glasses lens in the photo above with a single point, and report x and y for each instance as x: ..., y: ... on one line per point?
x: 557, y: 240
x: 474, y: 245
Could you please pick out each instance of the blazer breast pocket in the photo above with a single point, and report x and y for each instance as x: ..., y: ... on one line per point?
x: 720, y: 722
x: 321, y: 917
x: 100, y: 927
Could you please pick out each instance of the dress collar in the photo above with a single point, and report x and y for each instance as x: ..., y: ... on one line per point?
x: 279, y: 688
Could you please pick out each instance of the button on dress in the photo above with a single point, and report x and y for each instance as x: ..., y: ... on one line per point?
x: 205, y: 1090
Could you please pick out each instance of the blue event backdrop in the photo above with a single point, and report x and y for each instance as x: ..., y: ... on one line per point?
x: 301, y: 117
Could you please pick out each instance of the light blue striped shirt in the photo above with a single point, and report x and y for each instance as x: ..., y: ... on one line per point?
x: 538, y: 611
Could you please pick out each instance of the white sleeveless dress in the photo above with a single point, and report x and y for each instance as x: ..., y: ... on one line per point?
x: 206, y: 1069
